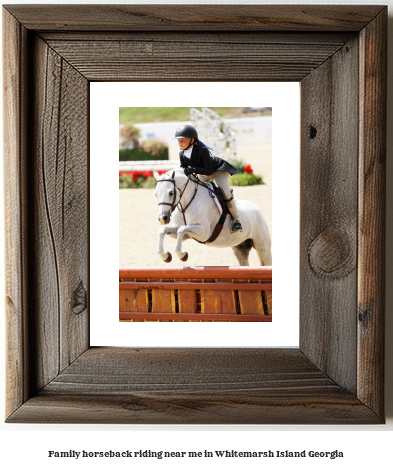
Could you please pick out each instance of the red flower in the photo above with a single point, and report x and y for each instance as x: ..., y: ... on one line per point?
x: 143, y: 174
x: 248, y: 169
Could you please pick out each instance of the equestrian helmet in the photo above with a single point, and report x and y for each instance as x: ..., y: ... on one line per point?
x: 186, y: 131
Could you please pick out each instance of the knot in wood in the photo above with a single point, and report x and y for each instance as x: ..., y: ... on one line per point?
x: 80, y: 299
x: 313, y: 132
x: 330, y: 254
x: 363, y: 316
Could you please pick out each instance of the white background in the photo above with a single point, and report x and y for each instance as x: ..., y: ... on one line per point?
x: 366, y: 448
x: 105, y: 99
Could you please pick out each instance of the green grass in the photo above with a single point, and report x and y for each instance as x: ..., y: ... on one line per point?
x: 174, y: 114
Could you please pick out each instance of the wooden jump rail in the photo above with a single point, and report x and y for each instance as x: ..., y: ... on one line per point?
x: 182, y: 294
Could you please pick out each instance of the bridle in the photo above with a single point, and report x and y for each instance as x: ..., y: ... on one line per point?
x: 173, y: 204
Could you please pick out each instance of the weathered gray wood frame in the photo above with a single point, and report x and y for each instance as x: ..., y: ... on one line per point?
x: 338, y: 54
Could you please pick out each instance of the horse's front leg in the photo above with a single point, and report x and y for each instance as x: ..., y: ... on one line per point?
x: 172, y: 231
x: 185, y: 232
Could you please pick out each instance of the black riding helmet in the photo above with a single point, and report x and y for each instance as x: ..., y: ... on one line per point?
x: 186, y: 131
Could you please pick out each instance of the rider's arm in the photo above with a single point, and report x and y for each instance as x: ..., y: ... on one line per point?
x: 207, y: 169
x: 185, y: 162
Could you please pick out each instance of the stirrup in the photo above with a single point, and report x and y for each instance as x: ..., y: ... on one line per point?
x: 236, y: 227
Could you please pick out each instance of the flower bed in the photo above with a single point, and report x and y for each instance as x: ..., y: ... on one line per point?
x: 138, y: 179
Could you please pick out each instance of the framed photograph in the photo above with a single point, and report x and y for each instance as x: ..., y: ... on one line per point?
x: 52, y: 55
x: 136, y: 243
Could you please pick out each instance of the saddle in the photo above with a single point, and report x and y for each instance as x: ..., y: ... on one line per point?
x: 225, y: 211
x: 218, y: 192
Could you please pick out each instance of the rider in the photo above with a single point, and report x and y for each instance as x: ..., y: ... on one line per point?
x: 195, y: 157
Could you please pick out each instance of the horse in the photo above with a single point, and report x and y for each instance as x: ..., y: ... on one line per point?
x: 188, y: 203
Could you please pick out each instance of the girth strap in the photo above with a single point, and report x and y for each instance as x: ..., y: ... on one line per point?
x: 220, y: 224
x: 217, y: 230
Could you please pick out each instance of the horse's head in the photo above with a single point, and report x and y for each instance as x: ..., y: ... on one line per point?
x: 168, y: 194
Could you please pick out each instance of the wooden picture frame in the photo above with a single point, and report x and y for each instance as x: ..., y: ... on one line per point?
x: 338, y: 54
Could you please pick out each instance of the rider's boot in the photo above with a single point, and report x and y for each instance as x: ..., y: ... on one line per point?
x: 236, y: 225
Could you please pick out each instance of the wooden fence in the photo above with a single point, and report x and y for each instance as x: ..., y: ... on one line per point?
x: 182, y: 294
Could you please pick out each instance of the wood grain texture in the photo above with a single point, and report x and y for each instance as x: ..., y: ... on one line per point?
x: 194, y: 385
x: 251, y: 302
x: 269, y: 301
x: 164, y: 317
x: 133, y: 300
x: 163, y: 301
x: 218, y: 301
x: 159, y: 59
x: 44, y: 265
x: 207, y: 371
x: 14, y: 74
x: 187, y: 17
x: 196, y: 274
x: 329, y: 173
x: 214, y: 285
x: 372, y: 191
x: 58, y: 222
x: 335, y: 40
x: 335, y: 377
x: 326, y: 409
x: 236, y: 295
x: 187, y: 301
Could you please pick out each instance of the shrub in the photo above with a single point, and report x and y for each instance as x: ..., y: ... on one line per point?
x: 155, y: 151
x: 150, y: 183
x: 130, y: 134
x: 126, y: 181
x: 239, y: 164
x: 155, y: 148
x: 246, y: 179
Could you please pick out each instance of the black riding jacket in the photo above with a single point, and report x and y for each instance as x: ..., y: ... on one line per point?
x: 202, y: 162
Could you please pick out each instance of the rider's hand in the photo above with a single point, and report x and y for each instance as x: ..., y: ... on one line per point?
x: 189, y: 171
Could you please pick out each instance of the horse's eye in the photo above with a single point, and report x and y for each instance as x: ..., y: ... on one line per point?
x: 170, y: 193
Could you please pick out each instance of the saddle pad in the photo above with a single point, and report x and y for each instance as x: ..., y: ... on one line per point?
x: 215, y: 197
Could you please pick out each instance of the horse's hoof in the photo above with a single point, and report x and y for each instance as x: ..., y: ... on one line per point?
x: 185, y: 258
x: 169, y: 259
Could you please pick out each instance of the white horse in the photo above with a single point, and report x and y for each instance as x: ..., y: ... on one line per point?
x: 176, y: 192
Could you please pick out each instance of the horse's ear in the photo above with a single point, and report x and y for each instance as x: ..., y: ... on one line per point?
x: 173, y: 175
x: 156, y: 175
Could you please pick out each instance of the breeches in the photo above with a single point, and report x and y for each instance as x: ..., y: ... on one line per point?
x: 222, y: 180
